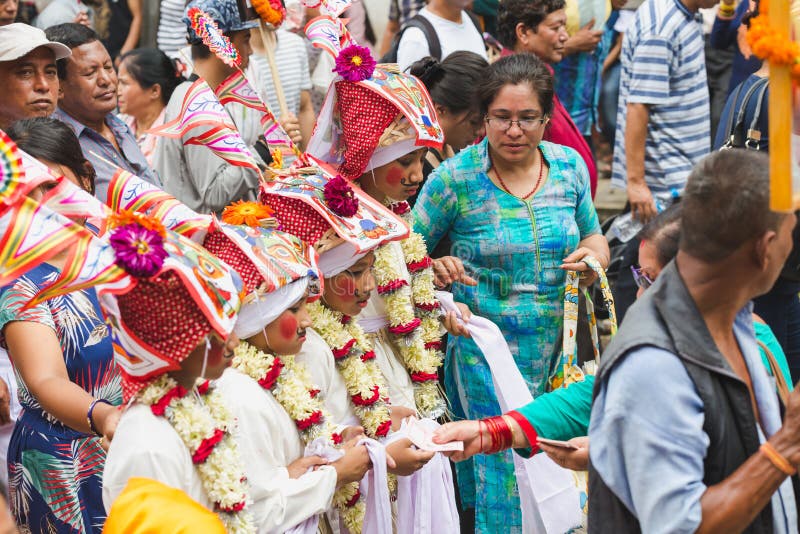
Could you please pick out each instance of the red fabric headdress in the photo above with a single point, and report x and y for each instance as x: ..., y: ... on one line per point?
x: 364, y: 116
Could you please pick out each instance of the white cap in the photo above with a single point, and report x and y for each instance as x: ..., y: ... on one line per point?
x: 18, y: 39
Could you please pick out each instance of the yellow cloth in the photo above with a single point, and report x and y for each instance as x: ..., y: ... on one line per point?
x: 146, y: 506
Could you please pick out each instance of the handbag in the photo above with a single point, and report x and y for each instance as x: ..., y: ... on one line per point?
x: 568, y: 370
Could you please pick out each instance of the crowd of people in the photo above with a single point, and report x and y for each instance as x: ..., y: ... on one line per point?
x: 277, y: 274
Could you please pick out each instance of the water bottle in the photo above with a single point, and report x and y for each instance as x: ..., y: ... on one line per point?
x: 625, y: 227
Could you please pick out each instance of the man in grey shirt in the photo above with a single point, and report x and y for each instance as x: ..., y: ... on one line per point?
x: 193, y: 173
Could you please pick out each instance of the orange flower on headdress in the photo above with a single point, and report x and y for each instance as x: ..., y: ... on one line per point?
x: 125, y: 217
x: 277, y: 159
x: 247, y: 213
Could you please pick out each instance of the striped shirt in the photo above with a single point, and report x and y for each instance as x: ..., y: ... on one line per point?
x: 663, y: 66
x: 402, y: 11
x: 171, y: 28
x: 291, y: 58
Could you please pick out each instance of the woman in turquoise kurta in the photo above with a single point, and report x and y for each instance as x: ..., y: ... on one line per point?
x: 518, y: 212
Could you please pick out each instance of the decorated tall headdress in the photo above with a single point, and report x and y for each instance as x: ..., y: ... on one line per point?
x: 373, y: 114
x: 272, y: 265
x: 179, y: 293
x: 342, y: 222
x: 277, y: 269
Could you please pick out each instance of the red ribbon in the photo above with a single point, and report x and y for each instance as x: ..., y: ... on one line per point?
x: 343, y: 351
x: 160, y: 406
x: 383, y: 428
x: 423, y: 377
x: 405, y: 328
x: 415, y: 266
x: 358, y: 400
x: 206, y: 446
x: 313, y: 419
x: 272, y: 375
x: 392, y: 286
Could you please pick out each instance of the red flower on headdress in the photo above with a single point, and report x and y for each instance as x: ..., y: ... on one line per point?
x: 355, y: 63
x: 340, y: 198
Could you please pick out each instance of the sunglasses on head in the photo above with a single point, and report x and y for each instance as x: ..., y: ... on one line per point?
x: 642, y: 280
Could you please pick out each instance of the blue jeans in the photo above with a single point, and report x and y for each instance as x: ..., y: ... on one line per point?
x: 609, y: 95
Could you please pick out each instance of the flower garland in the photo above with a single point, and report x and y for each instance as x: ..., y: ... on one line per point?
x: 291, y: 385
x: 204, y: 423
x: 413, y: 313
x: 357, y: 365
x: 771, y: 45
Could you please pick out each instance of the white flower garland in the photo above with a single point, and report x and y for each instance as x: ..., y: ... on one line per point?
x: 291, y: 385
x: 356, y: 363
x: 204, y: 423
x: 413, y: 314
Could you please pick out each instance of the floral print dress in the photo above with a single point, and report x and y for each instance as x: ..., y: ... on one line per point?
x: 55, y: 473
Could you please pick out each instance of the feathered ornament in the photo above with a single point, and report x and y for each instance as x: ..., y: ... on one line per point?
x: 271, y: 11
x: 205, y: 27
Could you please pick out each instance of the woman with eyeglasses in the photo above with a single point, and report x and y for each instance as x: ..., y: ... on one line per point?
x: 519, y: 213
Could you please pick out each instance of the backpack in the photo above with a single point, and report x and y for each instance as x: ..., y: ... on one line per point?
x: 424, y: 25
x: 737, y: 135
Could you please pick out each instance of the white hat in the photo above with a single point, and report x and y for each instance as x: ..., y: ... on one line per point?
x: 18, y: 39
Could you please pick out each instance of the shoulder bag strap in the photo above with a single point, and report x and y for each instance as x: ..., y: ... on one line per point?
x: 780, y: 380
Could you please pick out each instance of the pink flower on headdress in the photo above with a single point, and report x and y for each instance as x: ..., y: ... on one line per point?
x: 340, y: 198
x: 354, y: 63
x: 139, y: 250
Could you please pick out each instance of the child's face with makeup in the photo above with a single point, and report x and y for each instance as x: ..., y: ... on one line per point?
x: 348, y: 292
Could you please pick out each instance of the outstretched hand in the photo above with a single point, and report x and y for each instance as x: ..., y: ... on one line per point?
x: 467, y: 431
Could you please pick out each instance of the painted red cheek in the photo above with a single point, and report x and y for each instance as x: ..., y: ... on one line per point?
x: 394, y: 176
x: 348, y: 288
x: 288, y: 327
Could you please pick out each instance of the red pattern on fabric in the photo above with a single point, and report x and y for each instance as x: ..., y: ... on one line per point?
x: 161, y: 312
x: 223, y: 248
x: 364, y: 116
x: 296, y: 217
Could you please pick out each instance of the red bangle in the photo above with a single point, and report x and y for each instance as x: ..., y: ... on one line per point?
x: 500, y: 432
x: 480, y: 435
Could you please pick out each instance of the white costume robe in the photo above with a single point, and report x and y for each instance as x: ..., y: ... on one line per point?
x: 268, y: 442
x: 375, y: 323
x: 318, y: 358
x: 147, y: 446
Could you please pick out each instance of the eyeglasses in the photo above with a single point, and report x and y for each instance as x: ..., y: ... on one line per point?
x: 642, y: 280
x: 505, y: 124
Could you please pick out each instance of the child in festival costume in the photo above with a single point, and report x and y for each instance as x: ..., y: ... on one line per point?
x: 375, y: 129
x: 278, y: 407
x: 337, y: 351
x: 172, y: 326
